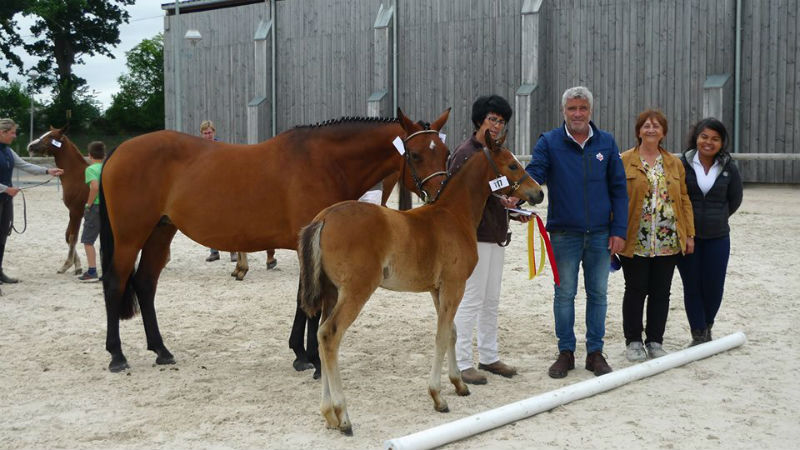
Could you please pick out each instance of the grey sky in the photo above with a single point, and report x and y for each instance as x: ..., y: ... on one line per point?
x: 101, y: 72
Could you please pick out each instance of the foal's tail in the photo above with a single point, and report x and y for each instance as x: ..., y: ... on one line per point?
x: 313, y: 280
x: 129, y: 305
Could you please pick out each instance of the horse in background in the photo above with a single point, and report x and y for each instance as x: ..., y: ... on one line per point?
x: 67, y: 156
x: 237, y: 198
x: 352, y: 248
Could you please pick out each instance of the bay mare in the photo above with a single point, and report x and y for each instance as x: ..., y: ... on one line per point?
x: 352, y: 248
x: 236, y: 198
x: 55, y: 143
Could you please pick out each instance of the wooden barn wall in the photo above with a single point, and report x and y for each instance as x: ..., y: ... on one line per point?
x: 637, y: 54
x: 216, y: 72
x: 451, y: 52
x: 770, y: 117
x: 632, y: 54
x: 325, y: 59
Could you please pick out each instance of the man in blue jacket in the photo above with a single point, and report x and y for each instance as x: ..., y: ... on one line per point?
x: 587, y: 217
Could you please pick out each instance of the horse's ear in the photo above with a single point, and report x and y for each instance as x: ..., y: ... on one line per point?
x: 490, y: 143
x: 406, y: 123
x: 439, y: 123
x: 502, y: 140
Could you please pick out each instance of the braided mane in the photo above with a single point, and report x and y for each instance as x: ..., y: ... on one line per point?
x: 349, y: 119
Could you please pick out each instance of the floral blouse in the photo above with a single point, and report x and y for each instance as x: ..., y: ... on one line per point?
x: 658, y: 235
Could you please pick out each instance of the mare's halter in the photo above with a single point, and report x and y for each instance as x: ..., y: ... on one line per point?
x: 420, y: 183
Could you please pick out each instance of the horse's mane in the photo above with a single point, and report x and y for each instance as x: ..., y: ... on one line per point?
x: 349, y: 119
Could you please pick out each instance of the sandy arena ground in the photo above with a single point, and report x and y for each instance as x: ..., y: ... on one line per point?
x: 233, y: 385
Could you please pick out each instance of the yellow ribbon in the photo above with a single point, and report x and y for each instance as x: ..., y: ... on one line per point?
x: 532, y: 270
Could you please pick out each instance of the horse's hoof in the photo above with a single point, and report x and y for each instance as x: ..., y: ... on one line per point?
x: 301, y: 364
x: 118, y: 365
x: 347, y: 431
x: 272, y: 264
x: 164, y: 357
x: 444, y: 409
x: 317, y: 374
x: 78, y: 271
x: 61, y: 270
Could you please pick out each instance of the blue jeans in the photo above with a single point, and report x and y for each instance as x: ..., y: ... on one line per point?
x: 590, y: 249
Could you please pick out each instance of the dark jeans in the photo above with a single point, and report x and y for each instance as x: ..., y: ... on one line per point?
x: 649, y: 278
x: 703, y: 275
x: 6, y: 214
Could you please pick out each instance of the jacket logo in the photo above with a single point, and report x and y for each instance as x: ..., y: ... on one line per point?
x: 599, y: 156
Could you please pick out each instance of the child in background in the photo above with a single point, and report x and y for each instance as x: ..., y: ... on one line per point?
x: 91, y: 214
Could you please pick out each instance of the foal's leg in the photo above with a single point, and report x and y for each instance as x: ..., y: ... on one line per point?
x: 241, y: 266
x: 350, y: 302
x: 71, y: 256
x: 446, y: 302
x: 71, y: 236
x: 154, y: 257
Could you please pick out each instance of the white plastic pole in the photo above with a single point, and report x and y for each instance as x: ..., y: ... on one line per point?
x: 487, y: 420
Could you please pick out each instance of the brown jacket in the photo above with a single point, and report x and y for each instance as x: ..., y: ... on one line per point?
x: 638, y: 187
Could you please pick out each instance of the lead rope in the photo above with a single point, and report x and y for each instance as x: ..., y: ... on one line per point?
x: 25, y: 208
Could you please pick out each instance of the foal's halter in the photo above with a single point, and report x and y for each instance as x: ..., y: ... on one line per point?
x: 512, y: 186
x: 420, y: 183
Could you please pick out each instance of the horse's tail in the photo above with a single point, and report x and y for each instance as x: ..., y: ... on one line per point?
x: 129, y: 305
x: 313, y: 279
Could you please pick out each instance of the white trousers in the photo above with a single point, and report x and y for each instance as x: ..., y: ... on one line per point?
x: 479, y: 305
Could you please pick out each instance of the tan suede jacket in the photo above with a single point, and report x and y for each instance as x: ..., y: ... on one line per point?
x: 638, y: 187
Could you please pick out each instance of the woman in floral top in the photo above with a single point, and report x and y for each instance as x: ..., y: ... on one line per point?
x: 660, y: 228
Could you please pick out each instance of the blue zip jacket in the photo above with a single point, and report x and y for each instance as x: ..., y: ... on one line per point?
x: 586, y: 190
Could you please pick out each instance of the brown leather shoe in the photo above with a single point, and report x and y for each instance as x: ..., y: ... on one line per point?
x: 564, y: 363
x: 472, y: 376
x: 596, y: 362
x: 499, y: 368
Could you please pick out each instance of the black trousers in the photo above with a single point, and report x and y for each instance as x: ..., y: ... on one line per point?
x: 649, y: 278
x: 6, y: 214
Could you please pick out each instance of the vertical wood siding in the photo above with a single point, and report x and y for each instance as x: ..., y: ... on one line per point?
x: 632, y: 54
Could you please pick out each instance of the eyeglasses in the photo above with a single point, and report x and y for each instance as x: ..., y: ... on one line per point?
x: 496, y: 121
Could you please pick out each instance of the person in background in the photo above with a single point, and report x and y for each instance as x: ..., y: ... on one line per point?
x: 8, y: 161
x: 481, y: 298
x: 715, y: 189
x: 209, y: 133
x: 660, y: 228
x: 91, y: 215
x: 587, y: 217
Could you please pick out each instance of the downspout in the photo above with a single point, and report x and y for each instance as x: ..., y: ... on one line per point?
x: 176, y: 44
x: 737, y: 88
x: 274, y: 72
x: 394, y: 60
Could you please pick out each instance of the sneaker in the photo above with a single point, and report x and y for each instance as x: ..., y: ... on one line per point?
x: 635, y: 352
x: 596, y: 363
x: 472, y: 376
x: 655, y: 350
x: 88, y: 277
x: 213, y: 257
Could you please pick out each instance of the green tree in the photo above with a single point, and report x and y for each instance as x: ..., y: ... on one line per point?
x: 9, y: 37
x: 65, y: 31
x: 139, y: 105
x: 15, y: 103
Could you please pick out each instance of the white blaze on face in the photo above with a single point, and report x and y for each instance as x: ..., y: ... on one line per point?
x: 36, y: 141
